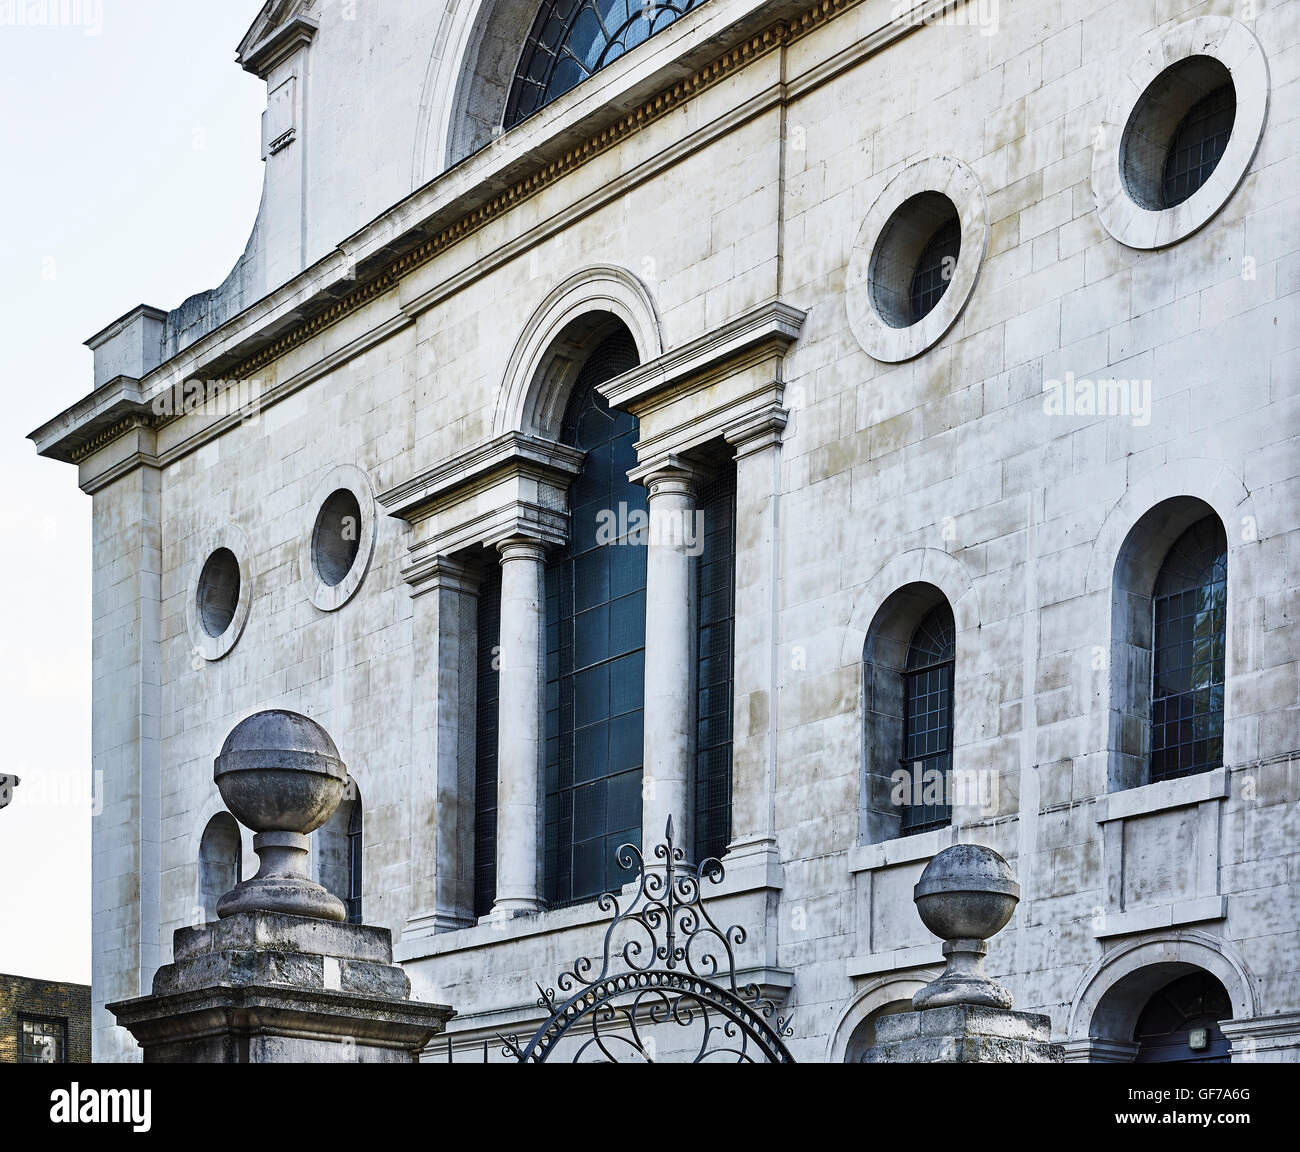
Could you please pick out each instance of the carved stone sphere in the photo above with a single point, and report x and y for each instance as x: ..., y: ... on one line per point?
x: 966, y: 892
x: 280, y: 772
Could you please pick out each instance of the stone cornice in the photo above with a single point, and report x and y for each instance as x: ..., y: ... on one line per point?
x: 94, y: 421
x: 477, y: 468
x: 410, y: 235
x: 769, y: 328
x: 267, y: 43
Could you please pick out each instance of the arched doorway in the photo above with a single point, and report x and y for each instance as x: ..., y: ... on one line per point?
x: 1180, y: 1023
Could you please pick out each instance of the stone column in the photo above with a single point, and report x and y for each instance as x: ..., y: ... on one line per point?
x: 441, y: 794
x: 669, y: 749
x: 519, y: 747
x: 757, y: 442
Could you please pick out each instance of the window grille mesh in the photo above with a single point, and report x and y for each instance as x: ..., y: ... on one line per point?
x: 927, y: 717
x: 934, y: 269
x: 1198, y: 145
x: 1189, y: 630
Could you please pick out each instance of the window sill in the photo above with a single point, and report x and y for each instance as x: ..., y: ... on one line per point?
x: 1164, y: 795
x: 901, y: 850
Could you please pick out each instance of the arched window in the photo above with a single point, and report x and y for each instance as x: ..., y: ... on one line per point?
x: 220, y: 862
x: 339, y: 848
x: 927, y: 720
x: 1189, y: 621
x: 595, y: 646
x: 353, y: 901
x: 909, y: 659
x: 572, y: 39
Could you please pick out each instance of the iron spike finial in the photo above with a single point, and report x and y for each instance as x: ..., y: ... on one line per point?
x: 668, y: 829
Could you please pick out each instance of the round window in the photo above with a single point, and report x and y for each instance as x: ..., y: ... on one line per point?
x: 336, y: 539
x: 1181, y: 131
x: 915, y: 259
x: 1178, y: 133
x: 218, y: 592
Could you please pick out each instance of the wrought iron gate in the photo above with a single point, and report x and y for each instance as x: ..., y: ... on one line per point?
x: 677, y: 970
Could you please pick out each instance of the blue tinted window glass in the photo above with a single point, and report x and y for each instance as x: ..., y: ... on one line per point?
x: 595, y: 638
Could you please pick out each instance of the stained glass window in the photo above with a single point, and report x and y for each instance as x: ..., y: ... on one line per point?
x: 595, y: 646
x: 1190, y: 620
x: 573, y: 39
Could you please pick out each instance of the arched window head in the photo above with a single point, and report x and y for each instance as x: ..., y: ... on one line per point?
x: 927, y: 721
x: 595, y: 645
x: 573, y: 39
x: 1189, y: 625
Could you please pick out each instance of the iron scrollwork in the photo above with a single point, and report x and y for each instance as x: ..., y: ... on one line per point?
x: 678, y: 968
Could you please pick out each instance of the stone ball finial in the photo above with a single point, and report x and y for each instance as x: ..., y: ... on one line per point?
x: 966, y: 894
x: 280, y: 774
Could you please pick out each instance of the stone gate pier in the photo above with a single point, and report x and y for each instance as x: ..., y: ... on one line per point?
x: 279, y: 977
x: 966, y: 894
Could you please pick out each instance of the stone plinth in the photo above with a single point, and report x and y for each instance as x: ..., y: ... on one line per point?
x: 262, y: 987
x: 964, y: 1034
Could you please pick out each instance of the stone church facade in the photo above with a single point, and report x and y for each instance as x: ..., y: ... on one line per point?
x: 850, y: 428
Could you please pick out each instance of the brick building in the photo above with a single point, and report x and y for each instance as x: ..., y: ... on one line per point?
x: 961, y: 343
x: 43, y: 1021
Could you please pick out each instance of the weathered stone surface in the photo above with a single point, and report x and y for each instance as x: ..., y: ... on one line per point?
x: 258, y: 987
x: 964, y: 1034
x: 858, y: 483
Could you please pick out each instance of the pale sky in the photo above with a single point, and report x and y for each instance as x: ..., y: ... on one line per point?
x: 132, y: 176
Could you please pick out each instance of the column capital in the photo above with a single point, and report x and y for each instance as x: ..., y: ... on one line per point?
x: 667, y: 475
x: 521, y: 548
x: 759, y: 430
x: 442, y: 573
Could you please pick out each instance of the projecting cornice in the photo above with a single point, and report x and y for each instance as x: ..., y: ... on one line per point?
x: 281, y: 28
x: 477, y: 468
x: 378, y: 259
x: 766, y: 330
x: 93, y: 421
